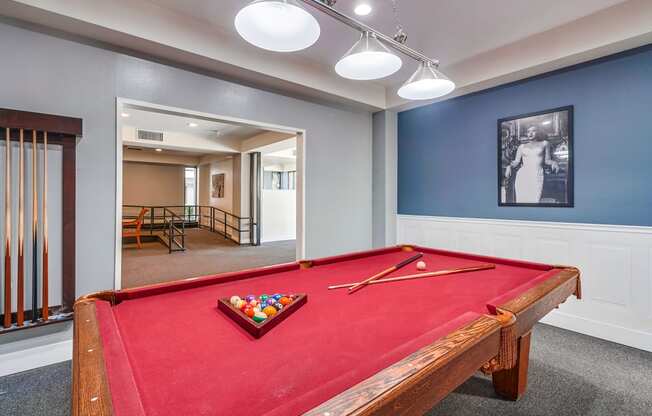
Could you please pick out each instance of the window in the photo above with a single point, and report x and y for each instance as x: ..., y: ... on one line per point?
x: 190, y: 189
x: 274, y: 180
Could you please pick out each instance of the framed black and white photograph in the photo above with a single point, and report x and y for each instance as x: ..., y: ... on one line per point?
x: 535, y: 159
x: 217, y: 185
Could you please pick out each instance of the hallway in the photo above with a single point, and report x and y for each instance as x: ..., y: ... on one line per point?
x: 206, y: 253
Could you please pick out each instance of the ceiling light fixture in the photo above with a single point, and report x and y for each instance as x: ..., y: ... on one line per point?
x: 285, y: 26
x: 277, y: 25
x: 192, y: 124
x: 158, y: 150
x: 368, y: 59
x: 426, y: 83
x: 362, y: 9
x: 125, y: 115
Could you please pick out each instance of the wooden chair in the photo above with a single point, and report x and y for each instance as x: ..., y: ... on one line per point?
x: 128, y: 231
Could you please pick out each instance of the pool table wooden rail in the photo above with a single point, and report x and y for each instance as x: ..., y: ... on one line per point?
x: 497, y: 344
x: 91, y: 394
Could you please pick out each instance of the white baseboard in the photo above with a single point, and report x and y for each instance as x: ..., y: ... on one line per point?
x: 615, y: 261
x: 614, y: 333
x: 30, y: 358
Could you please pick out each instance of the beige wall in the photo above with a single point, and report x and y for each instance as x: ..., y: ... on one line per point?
x: 205, y: 173
x: 150, y: 184
x: 165, y: 157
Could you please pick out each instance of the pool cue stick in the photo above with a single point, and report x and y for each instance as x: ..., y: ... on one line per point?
x: 384, y: 273
x: 421, y: 275
x: 20, y: 287
x: 44, y: 202
x: 7, y: 320
x: 34, y: 232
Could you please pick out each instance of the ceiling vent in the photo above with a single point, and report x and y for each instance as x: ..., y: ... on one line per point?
x: 152, y: 136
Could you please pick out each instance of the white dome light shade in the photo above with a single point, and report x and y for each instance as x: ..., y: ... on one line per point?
x: 426, y: 83
x: 277, y: 25
x: 362, y: 9
x: 368, y: 59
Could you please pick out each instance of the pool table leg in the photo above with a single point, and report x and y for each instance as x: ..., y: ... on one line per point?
x: 511, y: 384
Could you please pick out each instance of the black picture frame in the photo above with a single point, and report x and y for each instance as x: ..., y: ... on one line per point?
x: 552, y: 180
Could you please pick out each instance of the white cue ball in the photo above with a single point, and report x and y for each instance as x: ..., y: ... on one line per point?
x: 421, y: 265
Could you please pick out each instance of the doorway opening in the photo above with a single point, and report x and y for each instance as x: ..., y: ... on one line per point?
x: 191, y: 200
x: 278, y: 199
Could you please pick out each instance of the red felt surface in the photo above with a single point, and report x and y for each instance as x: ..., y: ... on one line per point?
x: 125, y: 398
x: 187, y: 357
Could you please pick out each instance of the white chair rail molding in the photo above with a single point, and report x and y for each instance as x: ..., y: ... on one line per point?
x: 615, y: 261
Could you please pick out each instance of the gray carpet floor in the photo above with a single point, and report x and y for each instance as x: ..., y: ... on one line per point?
x: 570, y: 374
x: 206, y: 253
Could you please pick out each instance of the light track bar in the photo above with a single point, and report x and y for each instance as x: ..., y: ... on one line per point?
x: 357, y: 25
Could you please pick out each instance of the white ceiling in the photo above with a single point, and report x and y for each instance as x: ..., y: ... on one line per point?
x: 155, y: 121
x: 481, y: 43
x: 448, y: 30
x: 290, y: 153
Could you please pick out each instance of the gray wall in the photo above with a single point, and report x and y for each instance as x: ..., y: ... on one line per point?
x: 53, y: 75
x: 385, y: 153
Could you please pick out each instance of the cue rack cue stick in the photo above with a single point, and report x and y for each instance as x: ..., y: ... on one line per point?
x: 45, y: 312
x: 7, y: 314
x: 34, y: 232
x: 20, y: 287
x: 384, y: 273
x: 486, y: 266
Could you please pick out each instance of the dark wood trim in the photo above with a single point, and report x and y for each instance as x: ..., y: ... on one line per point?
x: 61, y: 131
x: 68, y: 225
x: 58, y: 125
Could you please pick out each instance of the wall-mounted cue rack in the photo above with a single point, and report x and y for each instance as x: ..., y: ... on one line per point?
x: 34, y: 133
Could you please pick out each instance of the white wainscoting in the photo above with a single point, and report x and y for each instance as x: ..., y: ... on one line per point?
x: 616, y: 265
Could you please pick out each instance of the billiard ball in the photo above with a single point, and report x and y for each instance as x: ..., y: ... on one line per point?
x: 263, y: 298
x: 259, y: 317
x: 270, y: 311
x: 250, y: 312
x: 277, y: 296
x: 234, y: 300
x: 278, y: 306
x: 284, y: 301
x: 240, y: 303
x: 421, y: 265
x: 271, y: 301
x: 249, y: 298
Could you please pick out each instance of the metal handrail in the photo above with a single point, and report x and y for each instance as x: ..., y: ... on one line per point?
x: 184, y: 207
x: 173, y: 231
x: 215, y: 219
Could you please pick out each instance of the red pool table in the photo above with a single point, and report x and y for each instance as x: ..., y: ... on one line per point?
x: 388, y: 349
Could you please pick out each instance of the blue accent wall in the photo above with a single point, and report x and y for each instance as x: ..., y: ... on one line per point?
x: 447, y: 156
